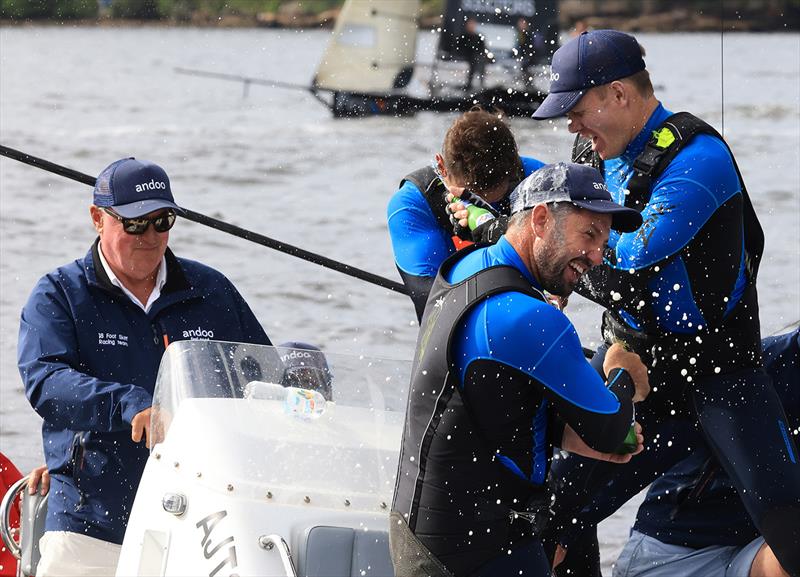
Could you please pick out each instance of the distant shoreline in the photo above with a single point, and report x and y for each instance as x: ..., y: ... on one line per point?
x: 643, y: 16
x: 665, y: 22
x: 628, y: 15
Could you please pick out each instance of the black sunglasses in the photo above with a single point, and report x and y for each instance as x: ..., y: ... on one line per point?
x: 162, y: 223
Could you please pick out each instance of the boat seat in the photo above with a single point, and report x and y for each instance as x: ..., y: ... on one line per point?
x: 344, y: 552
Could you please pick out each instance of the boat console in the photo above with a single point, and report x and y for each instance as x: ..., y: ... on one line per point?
x: 246, y: 484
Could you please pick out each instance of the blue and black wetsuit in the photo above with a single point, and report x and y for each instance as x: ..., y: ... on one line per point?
x: 695, y: 504
x: 681, y: 291
x: 421, y: 233
x: 498, y: 371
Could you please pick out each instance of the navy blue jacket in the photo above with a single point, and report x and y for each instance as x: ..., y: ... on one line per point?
x: 88, y: 357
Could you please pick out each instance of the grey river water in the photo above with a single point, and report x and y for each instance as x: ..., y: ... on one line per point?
x: 278, y: 163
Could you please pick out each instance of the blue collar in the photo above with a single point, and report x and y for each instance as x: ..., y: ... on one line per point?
x: 503, y: 253
x: 636, y: 146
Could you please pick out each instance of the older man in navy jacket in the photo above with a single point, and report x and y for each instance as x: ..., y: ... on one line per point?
x: 91, y: 338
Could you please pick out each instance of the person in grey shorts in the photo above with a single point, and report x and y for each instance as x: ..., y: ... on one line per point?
x: 692, y: 522
x: 645, y: 556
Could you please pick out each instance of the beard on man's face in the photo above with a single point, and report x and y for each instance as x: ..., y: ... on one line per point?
x: 556, y: 274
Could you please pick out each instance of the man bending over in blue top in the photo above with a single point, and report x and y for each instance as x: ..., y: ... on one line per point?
x: 500, y: 378
x: 90, y: 342
x: 479, y: 153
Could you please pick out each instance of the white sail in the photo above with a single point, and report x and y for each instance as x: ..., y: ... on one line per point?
x: 372, y: 46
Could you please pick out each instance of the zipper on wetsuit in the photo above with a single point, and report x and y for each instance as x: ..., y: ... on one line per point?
x: 529, y: 516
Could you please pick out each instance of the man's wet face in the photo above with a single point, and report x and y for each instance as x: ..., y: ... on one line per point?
x: 596, y: 118
x: 573, y: 243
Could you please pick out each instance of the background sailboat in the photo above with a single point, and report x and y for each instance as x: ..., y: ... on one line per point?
x: 370, y: 60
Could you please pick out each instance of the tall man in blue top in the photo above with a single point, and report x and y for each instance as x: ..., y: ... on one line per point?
x: 500, y: 378
x: 91, y: 338
x: 680, y: 291
x: 480, y: 153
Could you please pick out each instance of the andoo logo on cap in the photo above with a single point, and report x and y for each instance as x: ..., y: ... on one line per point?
x: 152, y: 185
x: 600, y: 186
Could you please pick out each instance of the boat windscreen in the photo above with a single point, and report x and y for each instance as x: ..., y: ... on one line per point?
x: 284, y: 421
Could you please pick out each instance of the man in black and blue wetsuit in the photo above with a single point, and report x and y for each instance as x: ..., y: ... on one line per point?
x: 479, y: 152
x: 500, y: 378
x: 680, y: 291
x: 692, y: 522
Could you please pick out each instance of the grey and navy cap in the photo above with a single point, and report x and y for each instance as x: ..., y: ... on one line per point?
x: 579, y: 184
x: 592, y: 59
x: 134, y: 188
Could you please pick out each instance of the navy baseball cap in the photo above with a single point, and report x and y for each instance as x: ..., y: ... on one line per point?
x: 134, y: 188
x: 579, y: 184
x: 305, y: 367
x: 592, y: 59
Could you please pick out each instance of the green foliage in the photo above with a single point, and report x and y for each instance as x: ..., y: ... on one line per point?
x: 136, y: 9
x: 256, y: 6
x: 314, y: 6
x: 183, y: 10
x: 75, y: 9
x: 247, y: 7
x: 22, y: 9
x: 180, y: 10
x: 47, y: 9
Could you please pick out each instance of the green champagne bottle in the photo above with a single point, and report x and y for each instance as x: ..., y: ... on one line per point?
x: 477, y: 216
x: 630, y: 444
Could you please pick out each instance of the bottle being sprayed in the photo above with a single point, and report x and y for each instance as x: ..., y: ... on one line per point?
x: 630, y: 443
x: 477, y: 216
x: 304, y: 403
x: 480, y: 211
x: 301, y: 403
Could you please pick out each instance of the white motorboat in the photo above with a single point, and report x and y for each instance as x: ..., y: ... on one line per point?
x: 249, y: 477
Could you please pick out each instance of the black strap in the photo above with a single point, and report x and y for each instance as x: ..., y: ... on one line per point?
x: 666, y: 142
x: 433, y: 366
x: 434, y: 191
